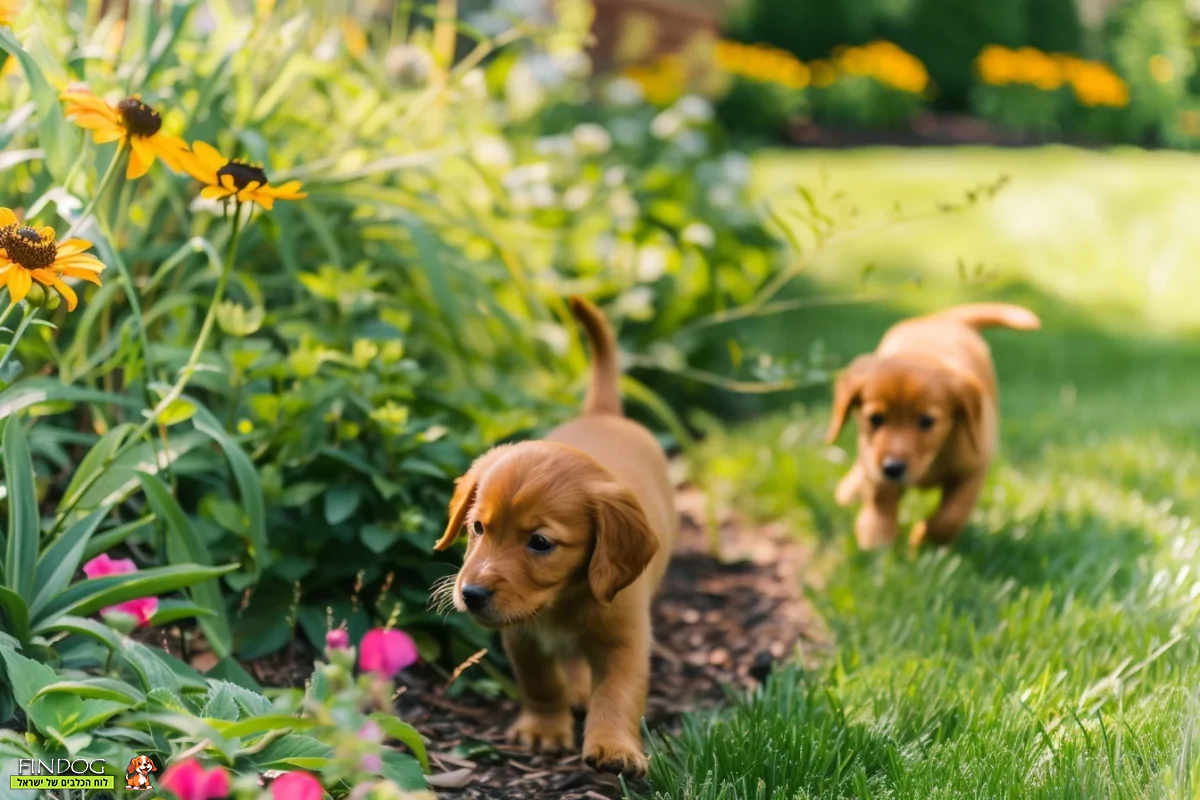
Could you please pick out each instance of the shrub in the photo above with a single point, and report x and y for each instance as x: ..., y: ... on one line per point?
x: 878, y: 85
x: 1148, y: 43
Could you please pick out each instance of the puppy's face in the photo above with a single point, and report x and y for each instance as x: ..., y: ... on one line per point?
x: 142, y: 765
x: 907, y: 410
x: 543, y: 522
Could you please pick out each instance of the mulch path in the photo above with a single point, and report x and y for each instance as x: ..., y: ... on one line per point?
x: 718, y: 623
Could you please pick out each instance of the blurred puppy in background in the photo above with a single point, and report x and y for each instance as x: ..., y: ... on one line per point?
x: 568, y: 540
x: 926, y: 404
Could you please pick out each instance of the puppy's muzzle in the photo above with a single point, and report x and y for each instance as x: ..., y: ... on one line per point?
x: 476, y: 597
x: 894, y: 469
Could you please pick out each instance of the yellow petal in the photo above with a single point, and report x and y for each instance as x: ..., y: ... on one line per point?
x: 108, y: 134
x: 140, y: 158
x: 170, y: 149
x: 85, y: 261
x: 214, y: 192
x: 248, y: 194
x: 227, y: 182
x: 81, y: 274
x: 265, y: 200
x: 68, y: 293
x: 208, y: 157
x: 18, y: 284
x: 72, y: 246
x: 7, y: 217
x: 44, y: 276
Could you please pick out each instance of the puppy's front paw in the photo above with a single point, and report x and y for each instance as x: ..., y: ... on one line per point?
x: 544, y: 733
x: 616, y: 755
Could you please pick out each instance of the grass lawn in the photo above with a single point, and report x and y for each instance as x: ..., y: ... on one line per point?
x: 1055, y: 651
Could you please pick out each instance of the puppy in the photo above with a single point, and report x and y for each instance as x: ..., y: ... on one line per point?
x: 136, y: 774
x: 926, y: 403
x: 568, y: 539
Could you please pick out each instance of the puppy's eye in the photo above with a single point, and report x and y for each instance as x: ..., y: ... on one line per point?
x: 477, y: 528
x: 540, y: 544
x: 926, y: 422
x: 876, y: 420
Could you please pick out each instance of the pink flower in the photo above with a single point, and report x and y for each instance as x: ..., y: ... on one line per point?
x: 190, y: 781
x: 337, y: 639
x: 141, y: 608
x: 386, y: 651
x: 296, y: 786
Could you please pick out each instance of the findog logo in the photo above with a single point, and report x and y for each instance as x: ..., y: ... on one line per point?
x: 137, y: 774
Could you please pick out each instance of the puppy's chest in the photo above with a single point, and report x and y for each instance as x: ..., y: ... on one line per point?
x: 558, y: 641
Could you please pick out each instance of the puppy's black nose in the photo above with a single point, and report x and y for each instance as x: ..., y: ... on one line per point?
x: 476, y: 597
x: 894, y: 468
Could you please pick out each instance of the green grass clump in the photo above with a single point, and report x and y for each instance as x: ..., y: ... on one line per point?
x: 1054, y: 652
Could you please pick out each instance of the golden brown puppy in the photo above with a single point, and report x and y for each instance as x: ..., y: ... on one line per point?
x: 568, y: 540
x: 926, y: 403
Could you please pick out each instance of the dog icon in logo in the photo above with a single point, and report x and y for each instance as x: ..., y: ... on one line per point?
x: 137, y: 774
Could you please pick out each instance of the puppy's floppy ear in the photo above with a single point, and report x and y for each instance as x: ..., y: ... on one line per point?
x: 847, y: 393
x: 132, y: 765
x: 153, y: 768
x: 968, y: 400
x: 625, y: 545
x: 460, y: 504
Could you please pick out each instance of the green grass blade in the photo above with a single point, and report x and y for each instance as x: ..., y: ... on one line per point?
x: 24, y: 530
x: 16, y: 612
x: 183, y: 543
x: 57, y: 565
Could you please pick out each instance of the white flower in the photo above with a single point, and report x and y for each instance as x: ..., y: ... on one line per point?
x: 623, y: 92
x: 666, y: 124
x: 628, y: 132
x: 592, y: 139
x: 526, y: 175
x: 554, y: 146
x: 576, y: 197
x: 722, y: 195
x: 698, y: 234
x: 408, y: 64
x: 636, y: 303
x: 492, y: 152
x: 737, y: 168
x: 542, y: 195
x: 614, y: 177
x: 692, y: 143
x: 523, y: 91
x: 474, y: 83
x: 622, y: 205
x: 695, y: 108
x: 651, y: 263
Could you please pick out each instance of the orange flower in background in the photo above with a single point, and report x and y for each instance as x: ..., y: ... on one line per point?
x: 131, y: 122
x: 996, y: 65
x: 226, y: 178
x: 29, y: 254
x: 1038, y: 69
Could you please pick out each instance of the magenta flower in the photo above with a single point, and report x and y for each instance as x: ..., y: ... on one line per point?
x: 337, y: 639
x: 386, y: 651
x: 140, y: 608
x: 191, y: 781
x: 296, y: 786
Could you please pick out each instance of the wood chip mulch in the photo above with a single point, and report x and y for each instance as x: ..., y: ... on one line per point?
x: 718, y: 624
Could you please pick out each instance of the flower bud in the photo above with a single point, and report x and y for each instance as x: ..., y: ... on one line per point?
x: 36, y: 296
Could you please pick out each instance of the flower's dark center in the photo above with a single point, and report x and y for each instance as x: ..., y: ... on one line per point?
x: 139, y: 118
x: 243, y: 174
x: 25, y: 247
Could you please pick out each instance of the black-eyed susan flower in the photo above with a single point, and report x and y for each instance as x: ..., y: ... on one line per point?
x: 131, y: 122
x: 29, y: 253
x: 226, y: 178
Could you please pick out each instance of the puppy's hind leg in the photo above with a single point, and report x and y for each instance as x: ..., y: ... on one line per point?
x: 849, y: 487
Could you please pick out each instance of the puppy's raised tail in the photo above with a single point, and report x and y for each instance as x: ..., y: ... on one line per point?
x: 993, y: 315
x: 603, y: 396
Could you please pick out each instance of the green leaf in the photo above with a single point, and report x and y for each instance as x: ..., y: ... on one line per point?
x: 53, y: 134
x: 47, y: 390
x: 263, y: 724
x: 94, y: 461
x: 57, y: 565
x: 103, y: 542
x: 184, y: 543
x: 87, y: 597
x: 24, y: 529
x: 405, y: 734
x: 403, y: 770
x: 83, y: 626
x: 341, y: 502
x: 16, y: 613
x: 177, y: 411
x: 26, y: 676
x: 119, y: 478
x: 96, y: 689
x: 294, y: 750
x: 191, y: 727
x: 174, y: 610
x: 249, y: 485
x: 220, y: 704
x: 228, y: 670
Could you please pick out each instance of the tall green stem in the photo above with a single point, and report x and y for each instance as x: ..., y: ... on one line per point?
x: 185, y: 372
x: 90, y: 208
x: 30, y: 313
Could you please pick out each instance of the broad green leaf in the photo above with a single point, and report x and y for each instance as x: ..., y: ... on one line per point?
x: 405, y: 734
x: 184, y: 543
x: 403, y: 770
x: 177, y: 411
x: 87, y: 597
x: 96, y: 689
x: 220, y: 705
x: 16, y: 613
x: 249, y: 485
x: 263, y: 724
x: 94, y: 461
x: 24, y: 528
x: 26, y: 676
x: 174, y: 610
x: 57, y: 565
x: 294, y: 750
x: 228, y: 670
x: 192, y: 728
x: 103, y: 542
x: 83, y: 626
x: 341, y: 502
x: 119, y: 479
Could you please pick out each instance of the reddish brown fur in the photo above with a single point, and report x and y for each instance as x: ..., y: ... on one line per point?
x: 575, y: 621
x: 926, y: 398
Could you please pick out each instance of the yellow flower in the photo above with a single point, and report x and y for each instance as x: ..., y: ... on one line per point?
x: 29, y: 254
x: 1038, y: 69
x: 823, y: 74
x: 996, y: 65
x: 354, y: 36
x: 8, y: 11
x: 226, y: 178
x: 131, y: 122
x: 1161, y: 69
